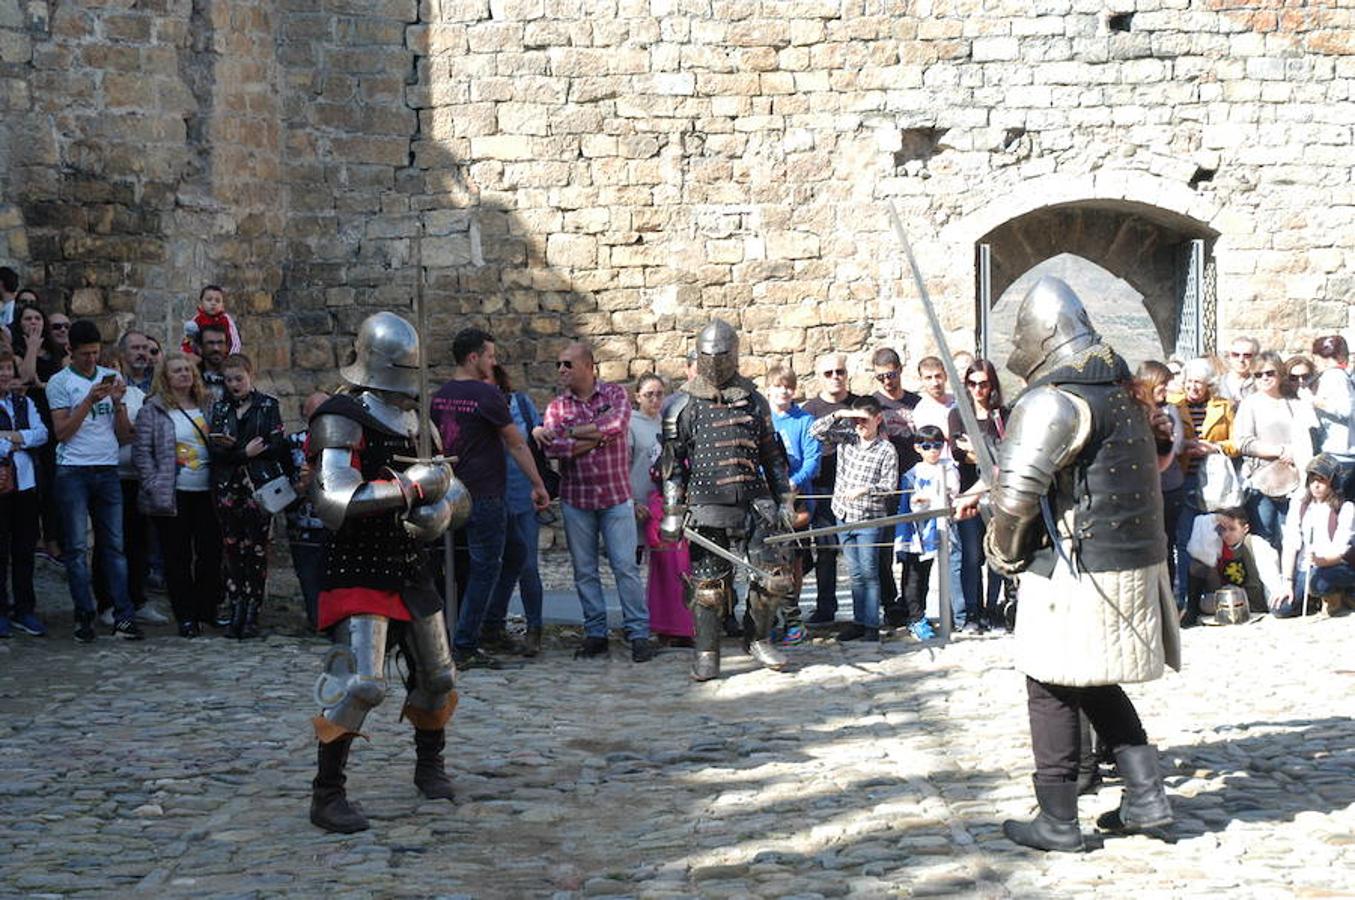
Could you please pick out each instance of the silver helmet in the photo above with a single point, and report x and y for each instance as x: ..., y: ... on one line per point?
x: 387, y: 359
x: 717, y: 353
x: 1051, y: 325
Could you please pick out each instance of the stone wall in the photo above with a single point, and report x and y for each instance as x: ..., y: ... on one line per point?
x: 621, y: 170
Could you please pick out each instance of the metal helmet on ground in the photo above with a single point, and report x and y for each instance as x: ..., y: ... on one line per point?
x: 387, y: 355
x: 1051, y: 325
x: 717, y: 353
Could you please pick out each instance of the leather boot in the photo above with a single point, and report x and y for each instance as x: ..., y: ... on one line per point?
x: 251, y: 624
x: 1055, y: 828
x: 762, y: 612
x: 429, y: 775
x: 532, y: 645
x: 709, y: 629
x: 1144, y: 808
x: 1088, y: 769
x: 235, y: 628
x: 330, y: 808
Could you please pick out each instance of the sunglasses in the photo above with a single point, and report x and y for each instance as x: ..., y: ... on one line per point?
x: 59, y: 326
x: 835, y: 373
x: 886, y: 376
x: 1268, y: 373
x: 1300, y: 377
x: 564, y: 364
x: 930, y: 445
x: 1235, y: 355
x: 154, y: 351
x: 652, y: 394
x: 983, y: 382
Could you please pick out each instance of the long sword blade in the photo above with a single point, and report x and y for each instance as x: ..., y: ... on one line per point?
x: 963, y: 402
x: 920, y: 516
x: 706, y: 543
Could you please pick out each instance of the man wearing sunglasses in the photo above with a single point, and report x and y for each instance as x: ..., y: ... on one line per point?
x: 897, y: 403
x: 1081, y: 458
x: 833, y: 395
x: 1238, y: 382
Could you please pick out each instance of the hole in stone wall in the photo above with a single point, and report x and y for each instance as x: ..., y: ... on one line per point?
x: 919, y: 144
x: 1120, y: 21
x: 1011, y: 137
x: 1201, y: 176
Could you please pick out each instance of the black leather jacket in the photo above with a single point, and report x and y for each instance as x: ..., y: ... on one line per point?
x: 262, y: 419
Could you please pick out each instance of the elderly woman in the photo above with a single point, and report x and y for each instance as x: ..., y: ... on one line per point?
x: 1271, y: 431
x: 1208, y: 424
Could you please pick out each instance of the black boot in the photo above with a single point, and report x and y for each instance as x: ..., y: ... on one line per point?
x: 706, y: 660
x: 1088, y: 769
x: 429, y: 775
x: 251, y: 625
x: 1143, y: 807
x: 1055, y: 828
x: 235, y: 628
x: 330, y: 808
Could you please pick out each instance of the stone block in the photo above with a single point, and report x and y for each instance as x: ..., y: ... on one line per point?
x: 792, y: 245
x: 87, y: 302
x: 571, y: 250
x: 313, y: 353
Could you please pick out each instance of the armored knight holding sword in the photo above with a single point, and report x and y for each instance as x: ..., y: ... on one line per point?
x: 384, y: 505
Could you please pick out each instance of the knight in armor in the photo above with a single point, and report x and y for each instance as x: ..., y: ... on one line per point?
x: 1077, y: 514
x: 725, y: 475
x: 377, y: 592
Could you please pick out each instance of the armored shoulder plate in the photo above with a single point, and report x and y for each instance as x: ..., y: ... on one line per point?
x: 329, y: 430
x: 677, y: 403
x: 1046, y: 431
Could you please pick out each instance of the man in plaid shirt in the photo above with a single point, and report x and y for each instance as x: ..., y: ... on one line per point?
x: 868, y: 468
x: 587, y: 428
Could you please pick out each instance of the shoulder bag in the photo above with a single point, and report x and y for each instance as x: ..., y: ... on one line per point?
x: 549, y: 476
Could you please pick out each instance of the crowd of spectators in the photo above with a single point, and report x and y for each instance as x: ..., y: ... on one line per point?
x: 165, y: 460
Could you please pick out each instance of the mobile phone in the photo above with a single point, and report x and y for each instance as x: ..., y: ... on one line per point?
x: 108, y: 379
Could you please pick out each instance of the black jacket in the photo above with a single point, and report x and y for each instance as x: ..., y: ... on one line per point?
x: 262, y: 419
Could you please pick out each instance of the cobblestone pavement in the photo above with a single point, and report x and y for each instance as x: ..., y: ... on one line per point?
x: 172, y: 768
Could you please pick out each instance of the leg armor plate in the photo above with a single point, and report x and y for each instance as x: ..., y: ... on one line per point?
x: 432, y: 676
x: 354, y: 680
x: 708, y: 599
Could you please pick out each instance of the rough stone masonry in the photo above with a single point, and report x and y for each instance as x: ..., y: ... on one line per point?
x: 621, y: 170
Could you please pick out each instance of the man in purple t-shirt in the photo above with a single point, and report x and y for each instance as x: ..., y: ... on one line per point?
x: 472, y: 416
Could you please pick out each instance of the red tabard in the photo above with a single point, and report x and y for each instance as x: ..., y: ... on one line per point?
x: 338, y: 604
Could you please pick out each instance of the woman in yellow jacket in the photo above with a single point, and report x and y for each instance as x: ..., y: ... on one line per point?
x: 1208, y: 422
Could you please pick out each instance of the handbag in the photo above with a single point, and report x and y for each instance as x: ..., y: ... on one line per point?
x: 549, y: 477
x: 1219, y: 485
x: 1277, y: 478
x: 274, y: 495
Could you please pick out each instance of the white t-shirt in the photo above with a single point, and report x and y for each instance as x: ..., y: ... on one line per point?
x: 95, y: 442
x: 1333, y: 400
x: 133, y: 398
x: 192, y: 472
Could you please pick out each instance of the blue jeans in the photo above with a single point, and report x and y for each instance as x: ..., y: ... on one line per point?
x: 863, y: 569
x: 93, y: 492
x: 1267, y: 516
x: 1184, y: 524
x: 485, y: 534
x: 958, y: 616
x: 615, y: 525
x: 519, y: 570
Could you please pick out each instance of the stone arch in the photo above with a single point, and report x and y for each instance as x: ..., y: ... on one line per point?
x: 1134, y: 226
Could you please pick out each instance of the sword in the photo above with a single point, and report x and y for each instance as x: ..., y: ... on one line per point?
x: 706, y: 543
x: 920, y: 515
x: 977, y: 438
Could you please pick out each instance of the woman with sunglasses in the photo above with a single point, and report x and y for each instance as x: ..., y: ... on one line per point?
x: 1300, y: 378
x: 982, y: 607
x: 1271, y: 430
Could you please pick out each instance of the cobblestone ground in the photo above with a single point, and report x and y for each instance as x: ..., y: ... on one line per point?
x: 172, y: 768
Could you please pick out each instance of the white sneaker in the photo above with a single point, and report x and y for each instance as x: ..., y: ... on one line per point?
x: 151, y: 616
x: 106, y: 617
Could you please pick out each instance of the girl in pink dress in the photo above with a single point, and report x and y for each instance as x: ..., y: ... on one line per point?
x: 669, y: 618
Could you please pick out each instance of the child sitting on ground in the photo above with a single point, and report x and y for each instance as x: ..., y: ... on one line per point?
x: 1317, y: 535
x: 1223, y: 551
x: 916, y: 543
x: 211, y: 311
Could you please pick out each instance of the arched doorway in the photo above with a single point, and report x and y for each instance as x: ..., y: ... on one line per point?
x: 1159, y: 256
